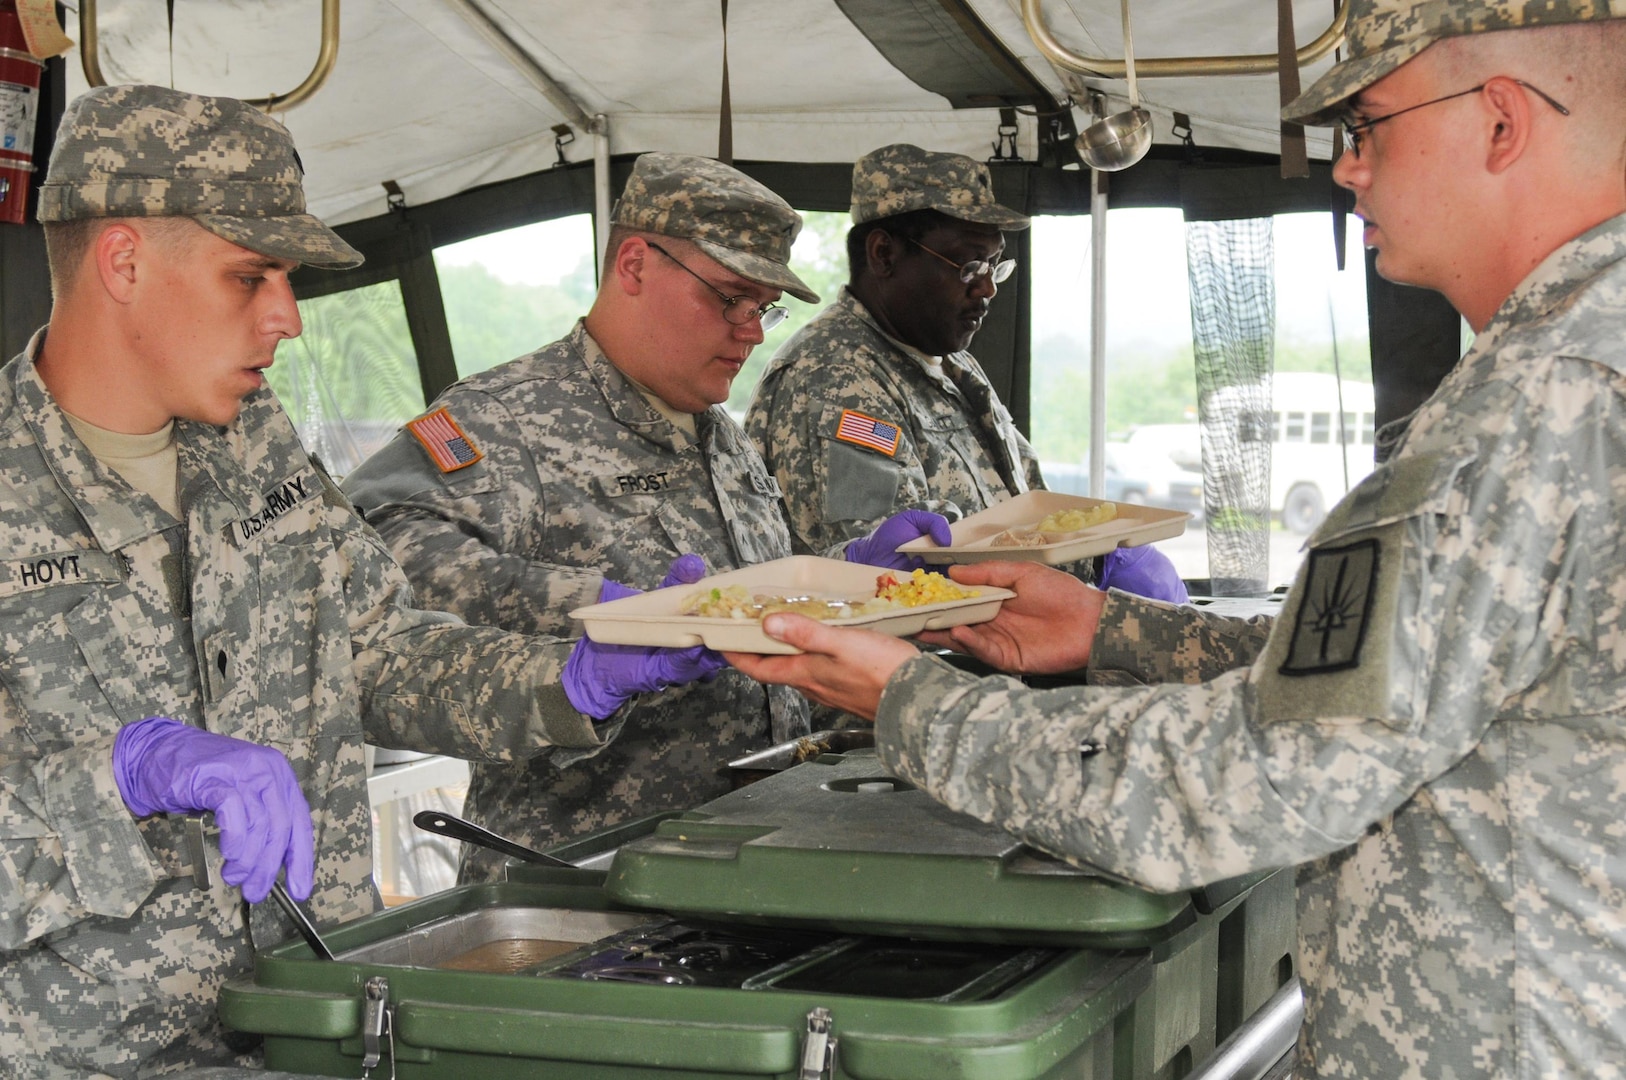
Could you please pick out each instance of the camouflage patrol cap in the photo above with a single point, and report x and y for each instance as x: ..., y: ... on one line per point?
x: 1383, y: 34
x: 899, y: 178
x: 147, y: 151
x: 726, y: 214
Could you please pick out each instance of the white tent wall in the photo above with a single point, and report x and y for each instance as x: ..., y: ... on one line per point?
x: 420, y: 98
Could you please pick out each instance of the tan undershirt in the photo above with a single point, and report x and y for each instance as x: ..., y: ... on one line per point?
x: 683, y: 421
x: 148, y: 463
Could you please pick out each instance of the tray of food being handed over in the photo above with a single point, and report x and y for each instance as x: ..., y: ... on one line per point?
x: 724, y: 611
x: 1052, y: 528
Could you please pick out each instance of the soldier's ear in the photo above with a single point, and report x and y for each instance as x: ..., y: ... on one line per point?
x: 115, y: 257
x: 628, y: 264
x: 1505, y: 113
x: 881, y: 250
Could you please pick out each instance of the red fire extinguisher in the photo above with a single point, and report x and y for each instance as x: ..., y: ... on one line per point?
x: 20, y: 74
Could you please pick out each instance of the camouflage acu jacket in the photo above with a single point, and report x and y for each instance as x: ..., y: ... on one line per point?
x: 272, y: 614
x: 940, y: 447
x: 1434, y: 729
x: 580, y: 478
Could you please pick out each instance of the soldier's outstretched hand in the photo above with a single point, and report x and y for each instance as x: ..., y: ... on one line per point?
x: 844, y: 667
x: 598, y: 679
x: 1045, y: 629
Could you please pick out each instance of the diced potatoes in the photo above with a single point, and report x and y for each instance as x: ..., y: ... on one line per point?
x: 1064, y: 521
x: 737, y: 602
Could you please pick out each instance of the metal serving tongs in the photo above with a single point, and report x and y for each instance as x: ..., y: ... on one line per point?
x: 196, y: 832
x: 301, y: 921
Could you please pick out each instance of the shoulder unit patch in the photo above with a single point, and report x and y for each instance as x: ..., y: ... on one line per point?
x: 1334, y: 611
x: 866, y: 431
x: 448, y: 446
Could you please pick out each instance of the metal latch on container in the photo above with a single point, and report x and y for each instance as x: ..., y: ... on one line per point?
x: 819, y: 1048
x: 376, y: 1024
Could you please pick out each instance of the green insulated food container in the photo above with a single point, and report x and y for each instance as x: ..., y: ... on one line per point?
x: 826, y: 921
x: 497, y: 981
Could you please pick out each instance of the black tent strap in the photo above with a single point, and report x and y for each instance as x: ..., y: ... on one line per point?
x: 1295, y: 155
x: 943, y: 47
x: 725, y: 112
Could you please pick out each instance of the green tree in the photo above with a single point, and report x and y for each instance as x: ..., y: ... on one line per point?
x: 492, y: 321
x: 820, y: 259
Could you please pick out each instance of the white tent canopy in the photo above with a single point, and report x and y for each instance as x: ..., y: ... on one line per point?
x: 420, y: 97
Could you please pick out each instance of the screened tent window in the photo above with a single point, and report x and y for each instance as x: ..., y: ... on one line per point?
x: 351, y: 378
x: 1151, y: 391
x: 819, y: 258
x: 510, y: 293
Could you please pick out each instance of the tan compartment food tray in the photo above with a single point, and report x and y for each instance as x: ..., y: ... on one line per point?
x: 653, y: 618
x: 973, y: 535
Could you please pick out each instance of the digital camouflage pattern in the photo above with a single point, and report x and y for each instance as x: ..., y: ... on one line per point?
x: 959, y: 451
x: 729, y: 216
x: 1383, y: 34
x: 1143, y: 641
x: 147, y: 151
x: 583, y: 479
x: 272, y: 614
x: 901, y: 178
x: 1446, y: 762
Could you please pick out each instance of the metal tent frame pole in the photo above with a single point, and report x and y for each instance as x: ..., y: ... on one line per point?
x: 1098, y: 335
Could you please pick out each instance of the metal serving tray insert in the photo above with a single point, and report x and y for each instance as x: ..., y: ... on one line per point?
x: 496, y: 938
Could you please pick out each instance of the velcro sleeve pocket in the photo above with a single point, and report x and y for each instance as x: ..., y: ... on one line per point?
x: 1347, y: 645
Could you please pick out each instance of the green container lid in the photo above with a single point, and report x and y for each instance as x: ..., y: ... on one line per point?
x: 839, y: 844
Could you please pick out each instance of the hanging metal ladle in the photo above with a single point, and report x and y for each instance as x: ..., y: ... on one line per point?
x: 1118, y: 141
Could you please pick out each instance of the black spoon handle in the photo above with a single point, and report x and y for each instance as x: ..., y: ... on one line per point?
x: 456, y: 828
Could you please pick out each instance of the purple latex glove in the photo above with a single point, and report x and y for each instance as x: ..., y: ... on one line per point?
x: 880, y: 548
x: 163, y: 765
x: 598, y: 679
x: 1144, y: 571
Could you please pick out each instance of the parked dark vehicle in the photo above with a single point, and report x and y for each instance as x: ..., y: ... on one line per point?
x: 1167, y: 486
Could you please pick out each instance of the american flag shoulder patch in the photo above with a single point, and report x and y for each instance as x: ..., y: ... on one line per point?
x: 867, y: 431
x: 448, y: 446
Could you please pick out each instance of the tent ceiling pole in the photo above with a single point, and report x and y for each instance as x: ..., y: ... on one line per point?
x: 601, y: 189
x: 1098, y: 334
x: 523, y: 62
x: 1106, y: 67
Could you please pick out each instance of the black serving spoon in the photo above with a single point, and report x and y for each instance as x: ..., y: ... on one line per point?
x: 456, y: 828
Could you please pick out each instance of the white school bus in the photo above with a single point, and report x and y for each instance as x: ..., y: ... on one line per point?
x: 1321, y: 438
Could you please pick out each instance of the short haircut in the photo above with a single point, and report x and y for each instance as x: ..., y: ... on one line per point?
x: 905, y: 227
x: 1579, y: 64
x: 620, y: 234
x: 68, y: 242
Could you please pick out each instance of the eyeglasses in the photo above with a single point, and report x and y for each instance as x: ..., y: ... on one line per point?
x: 974, y: 269
x: 738, y: 310
x: 1356, y: 132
